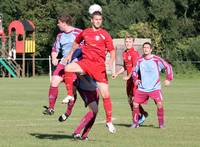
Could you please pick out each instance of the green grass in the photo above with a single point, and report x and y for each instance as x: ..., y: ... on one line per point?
x: 23, y: 125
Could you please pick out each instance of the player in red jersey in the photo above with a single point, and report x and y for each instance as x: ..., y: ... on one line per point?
x: 97, y: 42
x: 130, y: 56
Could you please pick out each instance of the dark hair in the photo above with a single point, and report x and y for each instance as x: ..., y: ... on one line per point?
x: 65, y: 18
x: 148, y: 44
x: 96, y: 13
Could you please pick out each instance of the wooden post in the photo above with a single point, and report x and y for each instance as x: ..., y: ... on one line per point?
x: 33, y: 64
x: 23, y: 64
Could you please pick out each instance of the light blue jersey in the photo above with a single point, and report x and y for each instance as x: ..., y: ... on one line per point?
x: 148, y: 71
x: 64, y: 42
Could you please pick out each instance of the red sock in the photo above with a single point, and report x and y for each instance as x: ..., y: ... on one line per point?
x: 84, y: 122
x: 88, y: 127
x: 70, y: 106
x: 160, y: 114
x: 69, y: 82
x: 135, y: 115
x: 108, y: 109
x: 53, y: 94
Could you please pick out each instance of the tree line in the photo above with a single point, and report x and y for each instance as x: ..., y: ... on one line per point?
x: 173, y: 25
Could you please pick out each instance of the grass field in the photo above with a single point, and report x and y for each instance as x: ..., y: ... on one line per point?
x: 23, y: 125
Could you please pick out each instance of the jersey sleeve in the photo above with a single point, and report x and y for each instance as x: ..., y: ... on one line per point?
x: 135, y: 72
x: 79, y: 37
x: 168, y: 68
x: 56, y: 46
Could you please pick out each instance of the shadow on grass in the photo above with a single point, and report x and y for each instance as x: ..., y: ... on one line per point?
x: 129, y: 125
x: 51, y: 136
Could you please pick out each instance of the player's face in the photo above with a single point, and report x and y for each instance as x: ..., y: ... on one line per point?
x: 129, y: 43
x: 97, y: 21
x: 61, y: 25
x: 147, y: 49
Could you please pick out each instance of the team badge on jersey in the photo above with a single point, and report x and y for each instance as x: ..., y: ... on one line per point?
x: 97, y: 38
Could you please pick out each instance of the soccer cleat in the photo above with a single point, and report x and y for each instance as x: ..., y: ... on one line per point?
x: 141, y: 120
x: 67, y: 99
x: 111, y: 127
x: 134, y: 126
x: 63, y: 117
x: 76, y: 136
x: 161, y: 126
x: 84, y: 139
x: 48, y: 111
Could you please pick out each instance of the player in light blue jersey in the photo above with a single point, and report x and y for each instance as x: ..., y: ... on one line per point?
x: 148, y: 70
x: 63, y: 44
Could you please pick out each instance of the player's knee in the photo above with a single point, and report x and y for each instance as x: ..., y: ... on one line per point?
x: 55, y: 83
x: 159, y: 105
x: 136, y: 105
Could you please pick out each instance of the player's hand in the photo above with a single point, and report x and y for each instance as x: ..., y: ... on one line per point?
x: 166, y: 83
x: 68, y: 58
x: 137, y: 82
x: 55, y: 61
x: 126, y: 78
x: 114, y: 75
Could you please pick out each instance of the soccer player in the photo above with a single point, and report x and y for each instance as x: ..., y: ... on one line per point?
x: 63, y: 44
x: 97, y: 42
x: 149, y: 85
x: 88, y: 91
x: 130, y: 56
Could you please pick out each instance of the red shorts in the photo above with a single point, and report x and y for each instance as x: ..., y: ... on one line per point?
x: 94, y: 70
x: 59, y: 71
x: 89, y: 96
x: 142, y: 97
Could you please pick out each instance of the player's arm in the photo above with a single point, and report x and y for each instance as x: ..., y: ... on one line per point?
x: 135, y: 74
x: 127, y: 77
x: 110, y: 47
x: 114, y: 75
x: 112, y: 58
x: 55, y: 50
x: 168, y: 70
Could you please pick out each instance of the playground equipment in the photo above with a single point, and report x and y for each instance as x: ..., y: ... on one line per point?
x: 21, y: 42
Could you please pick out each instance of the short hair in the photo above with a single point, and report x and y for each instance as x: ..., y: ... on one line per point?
x: 148, y: 44
x: 129, y: 36
x: 63, y: 17
x: 96, y: 13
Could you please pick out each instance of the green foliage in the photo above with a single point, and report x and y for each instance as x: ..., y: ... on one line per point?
x: 145, y: 30
x: 169, y: 23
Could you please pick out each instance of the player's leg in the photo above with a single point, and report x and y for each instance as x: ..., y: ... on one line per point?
x: 139, y: 98
x: 70, y: 69
x: 135, y: 115
x: 84, y: 122
x: 94, y: 108
x: 104, y: 90
x: 160, y: 114
x: 157, y: 96
x: 70, y: 106
x: 53, y: 94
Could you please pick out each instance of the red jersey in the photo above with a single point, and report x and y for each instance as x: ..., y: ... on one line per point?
x: 130, y: 57
x: 96, y: 44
